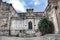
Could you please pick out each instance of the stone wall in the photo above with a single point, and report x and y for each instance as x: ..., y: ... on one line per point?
x: 23, y: 24
x: 53, y: 18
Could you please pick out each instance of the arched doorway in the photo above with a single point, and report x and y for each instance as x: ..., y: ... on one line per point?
x: 30, y: 25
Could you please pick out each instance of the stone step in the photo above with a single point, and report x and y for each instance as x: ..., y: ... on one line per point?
x: 30, y: 32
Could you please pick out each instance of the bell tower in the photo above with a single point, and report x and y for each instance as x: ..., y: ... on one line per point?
x: 29, y: 10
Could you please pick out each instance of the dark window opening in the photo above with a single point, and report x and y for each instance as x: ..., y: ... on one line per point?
x: 30, y: 25
x: 56, y: 7
x: 20, y: 30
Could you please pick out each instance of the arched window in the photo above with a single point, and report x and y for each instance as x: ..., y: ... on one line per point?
x: 30, y: 25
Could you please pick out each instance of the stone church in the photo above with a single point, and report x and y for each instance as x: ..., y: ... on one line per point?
x: 15, y: 22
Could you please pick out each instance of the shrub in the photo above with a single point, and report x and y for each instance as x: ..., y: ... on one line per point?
x: 45, y: 26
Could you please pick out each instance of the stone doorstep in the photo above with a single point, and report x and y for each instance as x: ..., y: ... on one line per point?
x: 30, y: 32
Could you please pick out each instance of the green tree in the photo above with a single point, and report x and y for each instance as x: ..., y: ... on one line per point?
x: 45, y: 26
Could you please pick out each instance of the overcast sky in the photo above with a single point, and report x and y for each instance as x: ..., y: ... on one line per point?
x: 22, y: 5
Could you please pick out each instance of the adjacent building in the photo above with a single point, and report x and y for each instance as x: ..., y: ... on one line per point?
x: 6, y: 12
x: 53, y: 12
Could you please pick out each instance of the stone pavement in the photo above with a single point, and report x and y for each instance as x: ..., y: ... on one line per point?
x: 18, y: 38
x: 45, y: 37
x: 53, y: 36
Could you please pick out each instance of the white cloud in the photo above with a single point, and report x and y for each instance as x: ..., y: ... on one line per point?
x: 37, y: 2
x: 17, y: 4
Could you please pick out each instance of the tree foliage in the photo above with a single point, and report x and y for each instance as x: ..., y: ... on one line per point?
x: 45, y: 26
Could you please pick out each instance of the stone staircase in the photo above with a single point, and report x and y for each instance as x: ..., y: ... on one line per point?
x: 27, y: 33
x: 31, y: 33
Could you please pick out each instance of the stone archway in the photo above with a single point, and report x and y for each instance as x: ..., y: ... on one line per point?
x: 30, y: 25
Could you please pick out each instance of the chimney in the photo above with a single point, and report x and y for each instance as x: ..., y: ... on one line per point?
x: 29, y: 10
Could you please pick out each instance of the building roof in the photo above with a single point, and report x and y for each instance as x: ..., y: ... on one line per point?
x: 33, y: 14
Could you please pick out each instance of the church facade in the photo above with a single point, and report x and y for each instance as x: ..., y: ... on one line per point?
x: 26, y: 20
